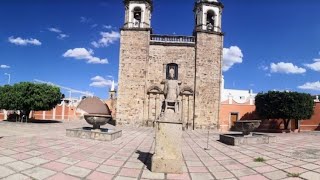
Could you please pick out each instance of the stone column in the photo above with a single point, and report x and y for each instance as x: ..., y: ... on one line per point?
x: 168, y: 154
x: 188, y: 116
x: 155, y: 106
x: 149, y: 106
x: 182, y: 112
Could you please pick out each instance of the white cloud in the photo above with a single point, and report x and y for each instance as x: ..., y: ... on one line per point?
x: 85, y: 20
x: 107, y: 26
x: 286, y: 68
x: 56, y: 30
x: 24, y: 42
x: 107, y: 38
x: 231, y: 56
x: 314, y: 66
x: 99, y: 81
x: 94, y: 25
x: 62, y: 36
x: 84, y: 54
x: 264, y: 68
x: 3, y: 66
x: 311, y: 86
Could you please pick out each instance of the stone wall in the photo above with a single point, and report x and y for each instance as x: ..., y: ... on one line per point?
x: 208, y: 79
x: 143, y: 68
x: 134, y: 54
x: 159, y: 57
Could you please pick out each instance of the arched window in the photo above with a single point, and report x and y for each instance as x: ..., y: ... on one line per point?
x: 173, y: 67
x: 137, y: 16
x: 210, y: 20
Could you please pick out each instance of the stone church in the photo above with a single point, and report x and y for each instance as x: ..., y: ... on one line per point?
x: 146, y: 58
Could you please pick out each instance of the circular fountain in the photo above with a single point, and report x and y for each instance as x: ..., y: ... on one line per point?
x: 246, y: 126
x: 97, y: 113
x: 245, y: 134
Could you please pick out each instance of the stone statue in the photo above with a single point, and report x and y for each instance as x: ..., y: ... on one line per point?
x: 171, y: 87
x: 171, y: 93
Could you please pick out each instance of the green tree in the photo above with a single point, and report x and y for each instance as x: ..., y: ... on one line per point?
x: 27, y: 97
x: 284, y: 105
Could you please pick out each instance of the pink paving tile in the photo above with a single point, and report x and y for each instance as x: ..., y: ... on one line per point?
x: 129, y: 172
x: 21, y: 149
x: 99, y: 175
x: 56, y: 166
x: 87, y: 164
x: 265, y: 169
x: 221, y: 158
x: 61, y: 176
x: 235, y: 167
x: 50, y: 156
x: 111, y: 162
x: 295, y: 170
x: 253, y: 177
x: 45, y: 150
x: 20, y: 156
x: 78, y: 156
x: 184, y: 176
x: 198, y: 169
x: 210, y: 163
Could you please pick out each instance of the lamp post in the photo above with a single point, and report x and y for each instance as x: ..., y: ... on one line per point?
x: 9, y: 77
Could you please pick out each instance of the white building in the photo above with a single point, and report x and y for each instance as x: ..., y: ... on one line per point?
x: 235, y: 96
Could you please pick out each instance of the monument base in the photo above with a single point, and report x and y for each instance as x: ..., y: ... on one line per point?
x: 168, y: 154
x: 90, y: 133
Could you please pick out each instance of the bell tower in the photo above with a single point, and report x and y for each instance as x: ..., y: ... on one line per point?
x: 208, y: 15
x: 138, y: 13
x: 208, y: 62
x: 133, y: 65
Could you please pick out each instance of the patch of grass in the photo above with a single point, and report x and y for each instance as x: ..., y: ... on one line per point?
x: 293, y: 174
x: 259, y: 159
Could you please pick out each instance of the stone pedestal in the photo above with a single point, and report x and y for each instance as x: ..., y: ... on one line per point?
x: 96, y: 134
x: 168, y: 154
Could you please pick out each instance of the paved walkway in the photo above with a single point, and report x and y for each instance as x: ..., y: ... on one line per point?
x: 42, y: 151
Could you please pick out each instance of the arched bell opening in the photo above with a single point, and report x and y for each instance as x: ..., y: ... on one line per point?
x: 137, y: 17
x: 210, y: 20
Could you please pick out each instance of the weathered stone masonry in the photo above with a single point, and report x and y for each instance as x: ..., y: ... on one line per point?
x: 143, y: 60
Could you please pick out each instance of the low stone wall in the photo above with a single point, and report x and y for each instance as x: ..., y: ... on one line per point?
x: 238, y: 139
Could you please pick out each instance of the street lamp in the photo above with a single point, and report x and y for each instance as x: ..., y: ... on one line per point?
x: 9, y: 77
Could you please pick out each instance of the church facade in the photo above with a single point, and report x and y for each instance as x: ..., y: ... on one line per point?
x: 146, y: 58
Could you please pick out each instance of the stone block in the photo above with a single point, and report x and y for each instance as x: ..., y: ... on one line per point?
x: 168, y: 154
x: 104, y: 135
x: 238, y: 139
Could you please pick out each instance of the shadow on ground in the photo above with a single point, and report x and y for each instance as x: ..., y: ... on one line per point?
x: 145, y: 158
x: 36, y: 121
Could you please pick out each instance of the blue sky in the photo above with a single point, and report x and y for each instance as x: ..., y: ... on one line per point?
x: 75, y: 43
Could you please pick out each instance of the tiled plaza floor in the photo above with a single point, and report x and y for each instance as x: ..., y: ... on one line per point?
x: 42, y: 151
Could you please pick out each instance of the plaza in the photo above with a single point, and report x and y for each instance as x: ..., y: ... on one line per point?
x: 43, y: 151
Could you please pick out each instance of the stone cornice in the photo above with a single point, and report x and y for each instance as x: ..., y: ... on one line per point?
x: 209, y: 32
x: 135, y: 29
x: 173, y: 44
x: 219, y: 4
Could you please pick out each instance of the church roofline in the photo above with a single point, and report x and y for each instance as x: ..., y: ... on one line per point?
x: 140, y: 1
x: 205, y: 2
